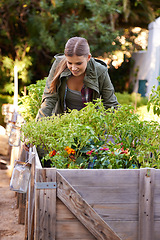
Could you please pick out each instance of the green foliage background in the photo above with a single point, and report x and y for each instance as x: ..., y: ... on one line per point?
x: 32, y: 32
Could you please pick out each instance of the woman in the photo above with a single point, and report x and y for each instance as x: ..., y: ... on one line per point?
x: 74, y: 79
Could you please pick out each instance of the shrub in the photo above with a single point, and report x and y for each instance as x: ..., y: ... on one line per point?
x: 154, y: 100
x: 126, y: 98
x: 30, y: 104
x: 97, y: 138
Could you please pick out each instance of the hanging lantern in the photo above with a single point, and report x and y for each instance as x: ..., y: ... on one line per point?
x: 5, y: 108
x: 8, y: 117
x: 20, y: 120
x: 20, y: 177
x: 8, y: 128
x: 14, y: 137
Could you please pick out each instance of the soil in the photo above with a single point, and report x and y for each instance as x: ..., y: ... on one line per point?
x: 9, y: 227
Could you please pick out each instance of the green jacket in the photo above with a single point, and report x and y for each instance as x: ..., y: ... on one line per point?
x: 96, y: 78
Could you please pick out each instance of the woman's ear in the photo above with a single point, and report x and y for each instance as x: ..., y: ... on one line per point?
x: 89, y: 57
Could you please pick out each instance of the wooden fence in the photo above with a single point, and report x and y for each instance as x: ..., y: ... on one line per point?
x: 92, y: 204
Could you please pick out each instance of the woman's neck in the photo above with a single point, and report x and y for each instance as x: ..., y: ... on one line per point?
x: 75, y: 83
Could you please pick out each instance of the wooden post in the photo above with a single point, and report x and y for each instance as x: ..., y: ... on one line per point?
x: 146, y: 201
x: 45, y: 204
x: 31, y: 201
x: 22, y: 206
x: 26, y: 219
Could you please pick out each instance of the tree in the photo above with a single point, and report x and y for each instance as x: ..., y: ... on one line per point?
x: 32, y: 32
x: 139, y: 13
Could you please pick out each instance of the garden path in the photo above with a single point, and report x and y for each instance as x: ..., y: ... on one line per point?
x: 9, y: 227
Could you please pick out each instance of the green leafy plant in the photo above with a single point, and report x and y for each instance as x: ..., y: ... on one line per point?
x: 97, y: 138
x: 126, y: 98
x: 29, y: 104
x: 154, y: 99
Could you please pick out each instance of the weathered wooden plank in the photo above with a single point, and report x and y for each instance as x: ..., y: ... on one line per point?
x: 120, y: 211
x: 45, y: 206
x: 127, y: 230
x: 101, y: 177
x: 22, y: 208
x: 157, y: 178
x: 157, y: 195
x: 146, y: 208
x: 62, y: 212
x: 157, y: 230
x: 112, y: 212
x: 109, y: 212
x: 23, y: 155
x: 157, y: 211
x: 106, y: 194
x: 26, y: 219
x: 68, y: 226
x: 72, y: 230
x: 38, y: 163
x: 31, y: 200
x: 82, y: 210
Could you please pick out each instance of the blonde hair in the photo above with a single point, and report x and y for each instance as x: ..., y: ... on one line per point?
x: 75, y: 46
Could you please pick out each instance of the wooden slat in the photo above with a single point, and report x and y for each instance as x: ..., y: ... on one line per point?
x: 72, y: 230
x: 62, y: 212
x: 82, y: 210
x: 68, y: 226
x: 127, y: 230
x: 101, y: 177
x: 156, y: 230
x: 157, y: 211
x: 106, y: 194
x: 45, y: 206
x: 146, y: 200
x: 22, y: 208
x: 157, y: 195
x: 31, y: 201
x: 157, y: 178
x: 26, y: 219
x: 38, y: 163
x: 119, y: 211
x: 109, y: 212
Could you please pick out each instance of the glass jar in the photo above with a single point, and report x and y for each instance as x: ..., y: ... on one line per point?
x: 8, y: 128
x: 20, y: 177
x: 14, y: 137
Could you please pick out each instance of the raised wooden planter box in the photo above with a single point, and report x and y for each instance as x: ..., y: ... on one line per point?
x: 93, y: 204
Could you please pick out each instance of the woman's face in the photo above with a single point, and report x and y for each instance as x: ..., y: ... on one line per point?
x: 77, y: 64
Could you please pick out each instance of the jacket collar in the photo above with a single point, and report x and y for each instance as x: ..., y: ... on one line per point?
x: 90, y: 79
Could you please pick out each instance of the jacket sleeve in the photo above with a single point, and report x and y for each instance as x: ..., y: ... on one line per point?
x: 49, y: 99
x: 107, y: 91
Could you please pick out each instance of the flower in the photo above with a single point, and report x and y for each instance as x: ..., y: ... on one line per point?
x: 52, y: 153
x: 124, y: 151
x: 72, y: 158
x: 70, y: 150
x: 104, y: 148
x: 90, y: 152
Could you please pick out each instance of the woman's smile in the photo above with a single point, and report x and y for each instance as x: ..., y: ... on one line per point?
x: 77, y: 64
